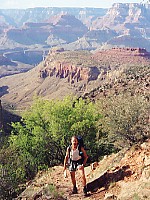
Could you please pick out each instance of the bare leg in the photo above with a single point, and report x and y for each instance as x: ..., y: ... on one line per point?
x: 81, y: 169
x: 73, y: 178
x: 75, y: 190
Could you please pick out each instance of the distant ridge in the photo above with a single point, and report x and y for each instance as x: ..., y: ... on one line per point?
x: 40, y: 29
x: 79, y: 73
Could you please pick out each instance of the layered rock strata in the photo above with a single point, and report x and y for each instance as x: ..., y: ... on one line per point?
x: 63, y: 69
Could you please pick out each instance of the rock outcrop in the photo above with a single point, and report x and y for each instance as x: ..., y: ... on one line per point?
x: 107, y: 73
x: 65, y: 69
x: 18, y: 17
x: 126, y: 18
x: 117, y: 56
x: 131, y: 23
x: 64, y: 26
x: 124, y: 25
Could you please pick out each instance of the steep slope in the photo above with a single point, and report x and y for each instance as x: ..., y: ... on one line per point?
x: 17, y: 17
x: 120, y: 176
x: 124, y: 25
x: 29, y: 43
x: 14, y: 34
x: 92, y: 40
x: 80, y: 73
x: 127, y: 41
x: 64, y: 26
x: 126, y: 19
x: 60, y: 74
x: 131, y: 23
x: 128, y: 72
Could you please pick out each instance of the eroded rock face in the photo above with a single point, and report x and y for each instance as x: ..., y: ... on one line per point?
x: 57, y: 65
x: 64, y: 69
x: 71, y: 72
x: 124, y: 16
x: 64, y: 26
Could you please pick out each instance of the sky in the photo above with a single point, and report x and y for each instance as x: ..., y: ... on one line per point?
x: 22, y: 4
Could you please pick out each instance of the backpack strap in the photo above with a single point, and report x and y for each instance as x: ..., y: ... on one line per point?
x: 79, y: 148
x: 80, y: 152
x: 69, y: 148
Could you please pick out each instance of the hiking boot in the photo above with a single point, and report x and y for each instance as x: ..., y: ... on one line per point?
x: 85, y: 191
x: 74, y: 191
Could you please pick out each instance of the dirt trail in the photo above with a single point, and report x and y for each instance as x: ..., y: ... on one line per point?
x: 65, y: 184
x: 122, y: 176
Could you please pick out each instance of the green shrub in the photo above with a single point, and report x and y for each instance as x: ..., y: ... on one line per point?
x: 125, y: 120
x: 44, y: 133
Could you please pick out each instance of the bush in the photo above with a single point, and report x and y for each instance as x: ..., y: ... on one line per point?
x: 44, y: 133
x: 125, y: 119
x: 11, y: 173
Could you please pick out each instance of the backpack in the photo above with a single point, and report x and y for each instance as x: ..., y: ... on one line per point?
x: 80, y: 141
x: 80, y: 144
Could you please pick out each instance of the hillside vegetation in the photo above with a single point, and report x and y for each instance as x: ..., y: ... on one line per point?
x: 39, y: 141
x: 109, y: 108
x: 101, y: 94
x: 121, y: 176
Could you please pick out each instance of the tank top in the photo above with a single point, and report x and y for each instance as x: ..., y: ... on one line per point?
x: 74, y: 155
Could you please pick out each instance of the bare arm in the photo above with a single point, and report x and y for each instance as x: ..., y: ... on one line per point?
x: 66, y: 158
x: 85, y: 155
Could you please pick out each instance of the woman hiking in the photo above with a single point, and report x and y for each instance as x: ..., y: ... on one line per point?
x: 77, y: 162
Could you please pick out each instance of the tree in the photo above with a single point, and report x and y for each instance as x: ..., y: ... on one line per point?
x: 125, y: 119
x: 44, y: 133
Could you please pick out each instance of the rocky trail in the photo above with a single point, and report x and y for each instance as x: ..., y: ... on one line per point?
x: 121, y: 176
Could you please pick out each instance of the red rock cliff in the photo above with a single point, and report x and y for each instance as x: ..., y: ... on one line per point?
x: 65, y: 69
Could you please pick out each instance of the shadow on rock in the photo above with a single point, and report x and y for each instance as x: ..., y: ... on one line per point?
x: 3, y: 90
x: 109, y: 177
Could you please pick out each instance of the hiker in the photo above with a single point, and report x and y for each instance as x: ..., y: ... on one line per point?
x: 77, y: 162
